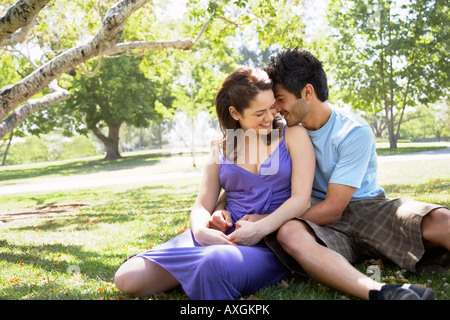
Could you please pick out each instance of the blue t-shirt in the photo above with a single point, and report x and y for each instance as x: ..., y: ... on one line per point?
x: 345, y: 154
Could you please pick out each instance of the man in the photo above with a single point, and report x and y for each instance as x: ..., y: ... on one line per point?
x: 350, y: 215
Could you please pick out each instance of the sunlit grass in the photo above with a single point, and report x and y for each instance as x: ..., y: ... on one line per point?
x: 40, y: 256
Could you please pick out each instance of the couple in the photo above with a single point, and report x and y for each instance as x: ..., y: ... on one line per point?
x: 223, y: 255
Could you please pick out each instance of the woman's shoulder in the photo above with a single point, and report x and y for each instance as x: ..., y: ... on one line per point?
x: 294, y: 132
x: 215, y: 152
x: 297, y: 138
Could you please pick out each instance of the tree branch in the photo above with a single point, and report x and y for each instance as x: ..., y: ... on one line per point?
x: 92, y: 73
x: 33, y: 105
x: 186, y: 44
x: 18, y: 37
x: 202, y: 31
x: 19, y: 16
x: 108, y: 35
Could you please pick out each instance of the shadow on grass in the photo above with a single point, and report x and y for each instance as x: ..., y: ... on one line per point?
x: 28, y: 254
x: 140, y: 218
x: 83, y: 167
x: 143, y: 204
x: 51, y: 272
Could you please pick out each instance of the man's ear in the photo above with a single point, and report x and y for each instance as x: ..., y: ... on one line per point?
x: 308, y: 92
x: 234, y: 113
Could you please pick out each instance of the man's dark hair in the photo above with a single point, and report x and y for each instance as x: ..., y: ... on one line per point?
x: 294, y: 69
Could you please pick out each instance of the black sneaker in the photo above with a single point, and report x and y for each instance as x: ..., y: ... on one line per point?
x: 402, y: 292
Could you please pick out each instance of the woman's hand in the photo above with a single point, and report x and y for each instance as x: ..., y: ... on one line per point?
x: 247, y: 233
x: 253, y: 217
x: 220, y: 220
x: 207, y: 237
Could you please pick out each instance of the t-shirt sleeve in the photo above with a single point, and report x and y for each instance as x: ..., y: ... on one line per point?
x: 354, y: 155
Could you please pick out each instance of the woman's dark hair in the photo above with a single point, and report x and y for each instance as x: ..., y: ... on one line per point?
x: 294, y: 69
x: 238, y: 90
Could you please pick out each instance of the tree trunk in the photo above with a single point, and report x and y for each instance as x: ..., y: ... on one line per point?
x: 388, y: 104
x: 11, y: 134
x: 111, y: 142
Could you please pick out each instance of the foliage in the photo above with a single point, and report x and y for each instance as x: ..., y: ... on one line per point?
x: 119, y: 93
x: 34, y: 149
x: 8, y: 69
x: 432, y: 121
x: 424, y: 122
x: 272, y: 22
x: 389, y: 55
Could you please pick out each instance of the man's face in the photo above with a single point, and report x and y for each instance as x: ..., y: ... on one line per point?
x: 293, y: 109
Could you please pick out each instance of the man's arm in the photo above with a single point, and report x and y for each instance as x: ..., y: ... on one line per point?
x: 354, y: 153
x: 331, y: 209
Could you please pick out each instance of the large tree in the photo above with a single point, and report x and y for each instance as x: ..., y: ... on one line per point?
x: 119, y: 93
x: 390, y: 54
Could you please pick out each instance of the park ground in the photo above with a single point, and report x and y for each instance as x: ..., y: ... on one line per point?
x: 65, y: 227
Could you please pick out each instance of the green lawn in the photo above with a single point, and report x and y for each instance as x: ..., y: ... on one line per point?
x: 74, y: 254
x: 381, y: 151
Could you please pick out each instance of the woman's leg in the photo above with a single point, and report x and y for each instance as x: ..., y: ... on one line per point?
x: 141, y: 277
x: 227, y: 272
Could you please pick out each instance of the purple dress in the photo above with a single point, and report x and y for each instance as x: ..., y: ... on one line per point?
x: 224, y: 271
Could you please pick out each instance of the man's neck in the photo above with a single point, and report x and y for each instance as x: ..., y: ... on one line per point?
x: 319, y: 116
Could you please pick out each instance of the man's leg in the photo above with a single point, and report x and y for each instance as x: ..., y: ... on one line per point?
x: 436, y: 228
x: 322, y: 263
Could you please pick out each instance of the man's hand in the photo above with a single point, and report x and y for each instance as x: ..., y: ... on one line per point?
x: 247, y: 233
x: 220, y: 220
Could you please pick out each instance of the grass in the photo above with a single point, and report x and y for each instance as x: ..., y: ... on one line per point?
x: 403, y: 150
x: 74, y: 254
x: 37, y: 255
x: 82, y: 166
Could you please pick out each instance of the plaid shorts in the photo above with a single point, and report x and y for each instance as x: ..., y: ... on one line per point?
x: 375, y: 228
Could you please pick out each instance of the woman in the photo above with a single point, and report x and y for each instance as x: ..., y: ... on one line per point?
x: 265, y: 174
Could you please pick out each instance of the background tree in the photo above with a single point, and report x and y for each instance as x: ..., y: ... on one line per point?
x: 119, y: 93
x: 427, y: 122
x: 196, y: 89
x: 389, y: 55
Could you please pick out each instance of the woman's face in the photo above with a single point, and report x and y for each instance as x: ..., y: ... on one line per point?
x: 259, y: 115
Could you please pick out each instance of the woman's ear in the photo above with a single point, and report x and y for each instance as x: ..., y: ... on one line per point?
x: 234, y: 113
